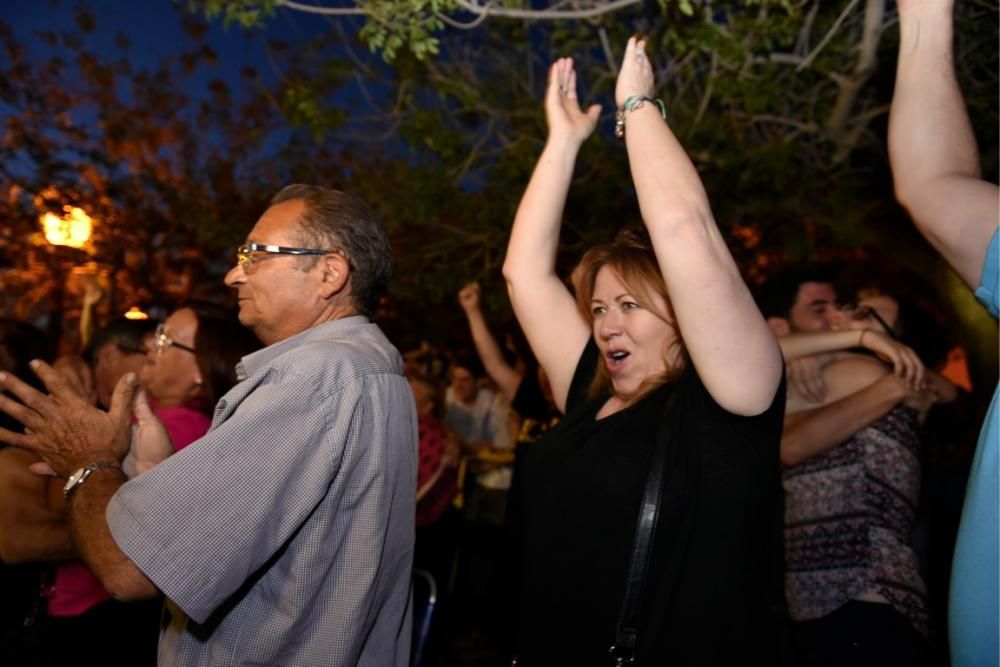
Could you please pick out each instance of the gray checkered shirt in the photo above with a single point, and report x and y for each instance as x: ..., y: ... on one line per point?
x: 284, y: 536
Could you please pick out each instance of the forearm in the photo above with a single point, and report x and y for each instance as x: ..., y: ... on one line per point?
x: 725, y: 335
x: 797, y: 345
x: 669, y: 189
x: 122, y: 579
x: 490, y: 354
x: 932, y: 148
x: 534, y: 238
x: 810, y: 433
x: 545, y: 308
x: 929, y: 130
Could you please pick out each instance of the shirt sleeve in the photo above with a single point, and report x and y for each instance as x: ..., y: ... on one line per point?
x: 203, y: 521
x: 989, y: 283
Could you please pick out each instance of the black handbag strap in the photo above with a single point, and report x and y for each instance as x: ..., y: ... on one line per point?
x: 627, y: 628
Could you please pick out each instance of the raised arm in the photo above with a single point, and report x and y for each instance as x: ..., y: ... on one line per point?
x: 932, y: 150
x: 489, y: 352
x: 729, y: 342
x: 544, y: 307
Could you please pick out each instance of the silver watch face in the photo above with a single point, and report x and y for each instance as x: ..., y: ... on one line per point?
x: 73, y: 479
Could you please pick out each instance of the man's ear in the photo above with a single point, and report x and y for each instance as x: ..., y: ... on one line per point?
x: 336, y: 274
x: 779, y: 326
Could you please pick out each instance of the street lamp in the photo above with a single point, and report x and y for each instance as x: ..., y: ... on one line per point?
x: 72, y: 229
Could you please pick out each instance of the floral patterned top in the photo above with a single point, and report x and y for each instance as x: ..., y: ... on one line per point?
x: 848, y: 516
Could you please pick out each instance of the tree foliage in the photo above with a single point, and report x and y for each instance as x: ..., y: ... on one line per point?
x: 782, y: 106
x: 171, y: 160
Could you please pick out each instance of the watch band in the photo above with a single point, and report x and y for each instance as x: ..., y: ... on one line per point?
x: 77, y: 479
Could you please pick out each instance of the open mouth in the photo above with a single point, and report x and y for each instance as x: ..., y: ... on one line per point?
x: 615, y: 358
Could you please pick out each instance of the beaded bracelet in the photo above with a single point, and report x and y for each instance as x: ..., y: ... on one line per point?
x: 631, y: 104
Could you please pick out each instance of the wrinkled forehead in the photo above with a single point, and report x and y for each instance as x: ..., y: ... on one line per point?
x: 279, y: 225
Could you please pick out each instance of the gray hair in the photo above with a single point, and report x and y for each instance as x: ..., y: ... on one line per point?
x: 337, y: 219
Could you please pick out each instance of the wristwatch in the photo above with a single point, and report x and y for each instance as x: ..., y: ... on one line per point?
x: 77, y: 479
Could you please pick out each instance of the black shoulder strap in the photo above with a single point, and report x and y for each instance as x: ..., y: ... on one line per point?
x: 623, y: 650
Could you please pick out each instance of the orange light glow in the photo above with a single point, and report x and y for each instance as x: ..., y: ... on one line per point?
x: 72, y: 229
x: 135, y: 314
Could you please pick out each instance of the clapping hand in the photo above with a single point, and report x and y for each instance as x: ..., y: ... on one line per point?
x: 61, y: 426
x: 636, y: 75
x: 151, y: 443
x: 905, y: 362
x: 562, y: 108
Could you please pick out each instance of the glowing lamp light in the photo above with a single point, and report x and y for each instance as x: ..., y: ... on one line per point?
x: 135, y: 314
x: 72, y: 229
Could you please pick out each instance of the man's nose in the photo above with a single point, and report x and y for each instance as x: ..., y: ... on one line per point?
x: 235, y: 276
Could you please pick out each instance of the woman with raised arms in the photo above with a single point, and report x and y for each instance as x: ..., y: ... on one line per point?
x: 663, y: 349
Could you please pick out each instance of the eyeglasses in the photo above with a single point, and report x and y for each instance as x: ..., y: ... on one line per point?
x: 245, y: 253
x: 864, y: 312
x: 162, y: 341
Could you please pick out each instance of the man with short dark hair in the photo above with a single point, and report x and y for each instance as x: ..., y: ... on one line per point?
x: 117, y: 348
x: 799, y: 299
x: 284, y: 536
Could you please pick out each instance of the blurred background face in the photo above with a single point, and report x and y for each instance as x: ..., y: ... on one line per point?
x: 422, y: 397
x: 110, y: 364
x: 463, y: 384
x: 171, y: 373
x: 814, y: 308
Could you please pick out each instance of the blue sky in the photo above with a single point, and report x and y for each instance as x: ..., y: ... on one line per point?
x: 154, y: 28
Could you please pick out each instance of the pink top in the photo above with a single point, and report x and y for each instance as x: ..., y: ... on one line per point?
x: 76, y: 589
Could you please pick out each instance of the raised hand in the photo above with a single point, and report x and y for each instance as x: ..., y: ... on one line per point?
x: 636, y: 74
x: 562, y: 108
x: 468, y: 296
x: 61, y: 427
x: 92, y: 295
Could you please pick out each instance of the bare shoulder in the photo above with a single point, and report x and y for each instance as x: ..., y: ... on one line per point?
x: 852, y: 374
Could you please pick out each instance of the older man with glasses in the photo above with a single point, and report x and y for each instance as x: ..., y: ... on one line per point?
x: 284, y: 536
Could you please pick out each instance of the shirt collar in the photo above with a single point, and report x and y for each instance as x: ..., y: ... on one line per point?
x: 255, y: 361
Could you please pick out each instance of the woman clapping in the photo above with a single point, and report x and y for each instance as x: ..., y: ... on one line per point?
x: 663, y: 350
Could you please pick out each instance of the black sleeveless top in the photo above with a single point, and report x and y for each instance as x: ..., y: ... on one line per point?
x: 715, y: 578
